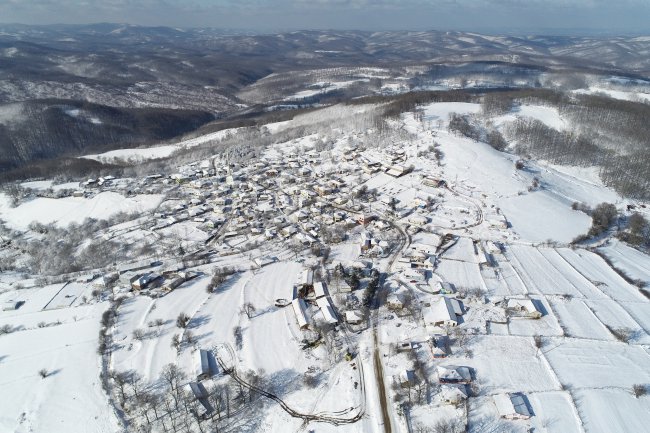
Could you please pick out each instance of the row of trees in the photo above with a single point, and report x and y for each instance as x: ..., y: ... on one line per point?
x: 167, y: 405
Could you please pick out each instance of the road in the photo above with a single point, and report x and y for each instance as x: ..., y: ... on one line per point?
x: 405, y: 240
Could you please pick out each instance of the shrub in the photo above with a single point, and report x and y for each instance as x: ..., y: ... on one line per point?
x: 182, y: 320
x: 640, y: 390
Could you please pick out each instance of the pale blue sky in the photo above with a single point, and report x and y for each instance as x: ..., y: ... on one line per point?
x: 613, y: 16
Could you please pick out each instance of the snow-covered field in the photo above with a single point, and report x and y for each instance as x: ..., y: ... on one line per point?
x: 70, y: 398
x: 67, y: 210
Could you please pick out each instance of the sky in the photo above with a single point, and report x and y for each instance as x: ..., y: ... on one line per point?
x: 518, y: 16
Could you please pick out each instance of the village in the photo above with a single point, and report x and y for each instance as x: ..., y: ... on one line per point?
x: 374, y: 275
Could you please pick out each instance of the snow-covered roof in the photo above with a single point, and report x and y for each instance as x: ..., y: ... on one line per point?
x: 524, y: 304
x: 442, y: 311
x: 511, y: 405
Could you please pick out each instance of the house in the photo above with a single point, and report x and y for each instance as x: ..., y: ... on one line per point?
x: 406, y: 379
x: 264, y: 261
x: 353, y: 317
x: 439, y: 344
x: 205, y: 365
x: 431, y: 181
x: 364, y: 218
x: 12, y: 305
x: 523, y: 308
x: 406, y: 346
x: 453, y: 394
x: 453, y: 374
x: 426, y: 249
x: 145, y: 281
x: 418, y: 220
x: 443, y: 312
x: 393, y: 302
x: 300, y: 310
x: 511, y: 406
x: 288, y: 231
x: 397, y: 170
x: 106, y: 280
x: 413, y: 275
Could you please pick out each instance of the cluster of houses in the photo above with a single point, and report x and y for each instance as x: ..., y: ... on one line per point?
x: 141, y: 277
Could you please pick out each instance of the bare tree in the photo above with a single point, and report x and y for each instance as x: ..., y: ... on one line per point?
x: 248, y: 309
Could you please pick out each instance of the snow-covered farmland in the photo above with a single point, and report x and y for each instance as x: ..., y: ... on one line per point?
x: 70, y: 398
x: 67, y: 210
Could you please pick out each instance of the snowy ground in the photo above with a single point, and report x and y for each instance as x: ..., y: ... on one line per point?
x: 66, y: 210
x: 70, y: 398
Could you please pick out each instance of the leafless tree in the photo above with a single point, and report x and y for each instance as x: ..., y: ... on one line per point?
x: 249, y: 309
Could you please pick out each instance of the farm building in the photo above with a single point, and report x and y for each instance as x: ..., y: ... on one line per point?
x: 327, y: 310
x: 204, y: 364
x: 524, y: 308
x: 300, y: 310
x: 320, y: 290
x: 511, y: 406
x: 443, y: 312
x: 201, y: 394
x: 172, y: 282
